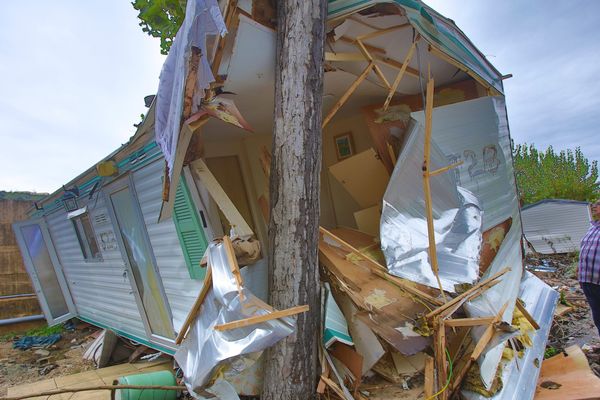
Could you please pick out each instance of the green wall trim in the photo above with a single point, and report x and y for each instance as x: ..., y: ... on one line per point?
x: 189, y: 230
x: 146, y: 342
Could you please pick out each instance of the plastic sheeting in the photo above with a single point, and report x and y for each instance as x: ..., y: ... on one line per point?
x: 202, y: 18
x: 205, y: 348
x: 457, y: 220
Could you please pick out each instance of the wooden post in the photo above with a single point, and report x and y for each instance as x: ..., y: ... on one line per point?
x: 429, y: 376
x: 426, y: 186
x: 407, y: 59
x: 347, y: 94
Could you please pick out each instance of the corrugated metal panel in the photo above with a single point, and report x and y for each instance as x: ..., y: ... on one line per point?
x: 556, y: 227
x: 476, y: 132
x: 101, y: 292
x: 181, y: 291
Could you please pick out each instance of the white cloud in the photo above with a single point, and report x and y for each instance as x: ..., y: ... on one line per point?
x: 73, y: 75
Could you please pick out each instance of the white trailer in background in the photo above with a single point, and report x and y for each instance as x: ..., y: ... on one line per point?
x: 554, y: 226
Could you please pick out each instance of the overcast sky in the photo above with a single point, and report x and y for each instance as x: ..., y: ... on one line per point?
x: 73, y: 75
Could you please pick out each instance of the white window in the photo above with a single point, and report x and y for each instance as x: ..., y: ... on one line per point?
x: 87, y: 238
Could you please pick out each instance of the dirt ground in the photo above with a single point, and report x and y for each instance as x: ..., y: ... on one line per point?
x: 65, y: 357
x: 575, y: 325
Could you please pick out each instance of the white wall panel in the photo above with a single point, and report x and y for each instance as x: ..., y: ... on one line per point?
x: 181, y: 291
x: 101, y: 292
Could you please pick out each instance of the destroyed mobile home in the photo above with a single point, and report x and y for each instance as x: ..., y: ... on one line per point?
x: 420, y: 250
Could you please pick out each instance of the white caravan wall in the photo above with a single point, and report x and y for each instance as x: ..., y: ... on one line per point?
x: 100, y: 289
x: 180, y: 289
x: 556, y: 226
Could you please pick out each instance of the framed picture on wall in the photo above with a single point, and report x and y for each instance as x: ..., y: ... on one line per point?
x: 344, y: 145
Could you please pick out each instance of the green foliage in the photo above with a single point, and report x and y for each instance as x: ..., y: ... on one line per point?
x: 550, y: 352
x: 550, y: 175
x: 21, y: 196
x: 41, y: 331
x: 161, y: 19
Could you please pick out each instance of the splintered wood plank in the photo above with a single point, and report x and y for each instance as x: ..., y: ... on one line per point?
x: 216, y: 191
x: 466, y: 295
x: 468, y: 321
x: 400, y: 75
x: 350, y: 239
x: 261, y: 318
x: 392, y: 308
x: 207, y: 285
x: 347, y: 94
x: 429, y: 376
x: 527, y: 316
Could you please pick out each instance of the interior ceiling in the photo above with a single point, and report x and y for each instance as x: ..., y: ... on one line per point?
x: 251, y: 66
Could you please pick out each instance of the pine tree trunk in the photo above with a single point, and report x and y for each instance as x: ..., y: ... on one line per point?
x: 291, y: 365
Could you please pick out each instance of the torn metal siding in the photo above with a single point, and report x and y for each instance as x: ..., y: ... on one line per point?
x: 456, y: 214
x: 520, y: 374
x: 476, y: 132
x: 556, y: 226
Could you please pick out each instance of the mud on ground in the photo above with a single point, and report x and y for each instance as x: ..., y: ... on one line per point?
x: 65, y: 357
x: 575, y: 326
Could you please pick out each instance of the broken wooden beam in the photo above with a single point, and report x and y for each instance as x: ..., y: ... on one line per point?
x: 380, y: 32
x: 381, y: 271
x: 233, y: 264
x: 196, y: 307
x: 458, y: 322
x: 446, y: 168
x: 467, y: 294
x: 427, y: 187
x: 241, y: 323
x: 429, y: 376
x: 378, y: 70
x: 342, y: 57
x: 527, y: 315
x: 347, y: 94
x: 398, y: 79
x: 190, y: 82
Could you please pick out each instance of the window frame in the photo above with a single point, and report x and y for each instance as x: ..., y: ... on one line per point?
x: 84, y: 239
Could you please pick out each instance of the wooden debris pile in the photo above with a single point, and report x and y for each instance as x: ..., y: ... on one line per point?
x: 404, y: 334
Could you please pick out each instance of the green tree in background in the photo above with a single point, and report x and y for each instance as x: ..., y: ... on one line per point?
x: 161, y: 19
x: 550, y: 175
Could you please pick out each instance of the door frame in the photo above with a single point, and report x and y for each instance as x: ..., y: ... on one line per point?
x: 58, y: 270
x: 113, y: 187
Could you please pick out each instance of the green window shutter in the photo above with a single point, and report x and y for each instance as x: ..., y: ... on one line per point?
x: 189, y: 229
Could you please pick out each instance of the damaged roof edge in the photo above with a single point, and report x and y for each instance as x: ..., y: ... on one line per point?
x: 441, y: 33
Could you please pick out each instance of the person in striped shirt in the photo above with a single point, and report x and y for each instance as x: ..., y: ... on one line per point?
x: 589, y: 264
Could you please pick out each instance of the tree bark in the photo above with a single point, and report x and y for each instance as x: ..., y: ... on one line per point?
x: 291, y: 365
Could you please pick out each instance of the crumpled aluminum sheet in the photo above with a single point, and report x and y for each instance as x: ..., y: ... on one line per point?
x: 205, y: 348
x: 457, y: 220
x: 476, y: 132
x: 520, y: 375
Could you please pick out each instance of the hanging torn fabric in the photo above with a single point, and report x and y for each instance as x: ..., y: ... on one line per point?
x: 202, y: 18
x: 206, y: 348
x: 457, y: 220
